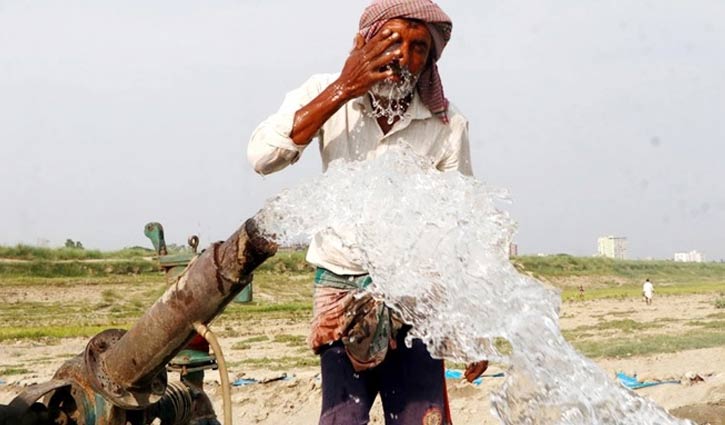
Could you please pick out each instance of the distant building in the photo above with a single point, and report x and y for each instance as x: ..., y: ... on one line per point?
x: 612, y: 247
x: 689, y: 257
x: 513, y: 250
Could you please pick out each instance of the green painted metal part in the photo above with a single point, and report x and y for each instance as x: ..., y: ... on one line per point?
x: 190, y: 361
x: 189, y: 357
x: 175, y: 264
x: 155, y: 232
x: 177, y: 260
x: 245, y: 296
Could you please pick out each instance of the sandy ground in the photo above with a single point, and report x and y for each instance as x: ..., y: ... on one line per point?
x: 296, y: 399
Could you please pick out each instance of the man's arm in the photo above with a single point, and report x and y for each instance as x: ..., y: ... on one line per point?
x: 278, y: 142
x: 363, y: 68
x: 270, y: 148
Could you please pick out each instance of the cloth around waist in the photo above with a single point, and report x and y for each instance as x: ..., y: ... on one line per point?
x: 326, y: 278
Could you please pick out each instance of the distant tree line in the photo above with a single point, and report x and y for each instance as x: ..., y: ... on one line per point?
x: 69, y: 243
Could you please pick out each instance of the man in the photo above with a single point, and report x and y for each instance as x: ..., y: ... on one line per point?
x: 389, y: 93
x: 648, y: 291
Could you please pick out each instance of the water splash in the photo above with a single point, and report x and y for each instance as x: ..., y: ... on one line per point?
x: 436, y: 247
x: 389, y: 98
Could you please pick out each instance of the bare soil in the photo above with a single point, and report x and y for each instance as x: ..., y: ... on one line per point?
x: 273, y: 346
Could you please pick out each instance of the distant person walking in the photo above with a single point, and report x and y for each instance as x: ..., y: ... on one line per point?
x: 647, y: 291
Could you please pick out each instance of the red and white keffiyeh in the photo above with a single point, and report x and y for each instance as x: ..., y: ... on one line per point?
x: 439, y: 24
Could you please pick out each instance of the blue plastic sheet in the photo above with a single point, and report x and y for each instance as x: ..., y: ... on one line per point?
x: 633, y: 383
x: 241, y: 382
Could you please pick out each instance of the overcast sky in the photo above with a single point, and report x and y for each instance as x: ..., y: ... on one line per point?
x: 600, y: 117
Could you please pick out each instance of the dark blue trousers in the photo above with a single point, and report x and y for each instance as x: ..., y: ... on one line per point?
x: 410, y: 382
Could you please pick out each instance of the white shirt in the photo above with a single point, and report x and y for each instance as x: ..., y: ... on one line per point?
x: 352, y: 134
x: 648, y: 289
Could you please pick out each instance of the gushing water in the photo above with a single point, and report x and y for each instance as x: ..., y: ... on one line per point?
x: 388, y: 98
x: 436, y: 247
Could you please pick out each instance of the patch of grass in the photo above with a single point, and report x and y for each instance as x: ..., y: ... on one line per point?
x: 553, y: 266
x: 571, y: 335
x: 71, y: 281
x: 75, y: 268
x: 131, y: 252
x: 503, y: 346
x: 716, y: 315
x: 7, y: 371
x: 23, y: 315
x: 720, y: 303
x: 241, y: 346
x: 27, y: 252
x: 715, y: 324
x: 287, y: 261
x: 109, y: 295
x: 279, y: 363
x: 635, y: 291
x: 252, y: 340
x: 53, y: 332
x: 139, y: 304
x: 30, y: 253
x: 283, y: 287
x: 624, y: 325
x: 649, y: 344
x: 261, y: 308
x: 246, y: 343
x: 627, y: 325
x: 154, y: 292
x: 28, y: 313
x: 290, y: 340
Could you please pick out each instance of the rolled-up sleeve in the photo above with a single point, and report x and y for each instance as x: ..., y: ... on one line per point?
x: 458, y: 152
x: 270, y: 148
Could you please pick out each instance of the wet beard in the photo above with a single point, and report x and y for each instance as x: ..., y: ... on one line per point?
x: 390, y: 99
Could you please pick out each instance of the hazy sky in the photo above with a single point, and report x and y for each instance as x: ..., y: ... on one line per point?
x: 600, y: 117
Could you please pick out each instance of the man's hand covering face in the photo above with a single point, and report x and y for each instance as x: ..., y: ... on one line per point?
x: 430, y: 87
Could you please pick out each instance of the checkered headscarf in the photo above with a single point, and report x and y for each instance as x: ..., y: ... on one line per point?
x: 439, y: 24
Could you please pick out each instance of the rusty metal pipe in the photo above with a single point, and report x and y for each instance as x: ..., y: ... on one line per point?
x: 129, y: 368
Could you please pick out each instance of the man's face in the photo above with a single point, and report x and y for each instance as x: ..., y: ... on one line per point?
x: 414, y: 45
x: 415, y: 42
